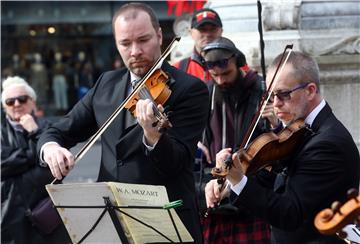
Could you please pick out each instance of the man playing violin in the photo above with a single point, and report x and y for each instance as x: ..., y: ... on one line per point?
x: 137, y: 151
x: 323, y: 167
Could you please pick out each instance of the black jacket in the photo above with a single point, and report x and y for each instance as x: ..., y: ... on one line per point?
x: 23, y: 183
x: 319, y: 173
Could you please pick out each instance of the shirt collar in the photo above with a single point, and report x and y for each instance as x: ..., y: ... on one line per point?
x: 311, y: 117
x: 135, y: 78
x: 15, y: 125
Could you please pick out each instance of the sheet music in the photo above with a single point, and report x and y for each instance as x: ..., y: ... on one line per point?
x: 148, y: 195
x: 79, y: 220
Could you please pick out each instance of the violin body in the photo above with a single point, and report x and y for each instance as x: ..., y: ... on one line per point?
x: 266, y: 149
x: 158, y: 88
x: 270, y: 147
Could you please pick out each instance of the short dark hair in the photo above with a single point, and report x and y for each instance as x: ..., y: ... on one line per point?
x: 136, y: 7
x: 305, y: 67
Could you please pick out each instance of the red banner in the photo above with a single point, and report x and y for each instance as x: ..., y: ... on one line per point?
x: 183, y: 7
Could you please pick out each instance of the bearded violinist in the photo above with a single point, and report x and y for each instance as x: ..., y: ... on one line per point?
x: 325, y: 165
x: 136, y: 151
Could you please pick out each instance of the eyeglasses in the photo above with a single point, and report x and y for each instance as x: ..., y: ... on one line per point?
x: 22, y: 99
x: 221, y: 63
x: 286, y: 95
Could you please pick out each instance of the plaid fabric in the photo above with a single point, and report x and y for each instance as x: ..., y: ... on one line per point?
x: 232, y: 228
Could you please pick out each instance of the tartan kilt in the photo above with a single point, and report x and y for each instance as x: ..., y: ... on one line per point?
x: 234, y: 228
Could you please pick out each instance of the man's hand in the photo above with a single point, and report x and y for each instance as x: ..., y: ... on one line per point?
x: 269, y: 114
x: 59, y: 159
x: 205, y: 150
x: 236, y: 172
x: 147, y: 120
x: 28, y: 123
x: 214, y: 194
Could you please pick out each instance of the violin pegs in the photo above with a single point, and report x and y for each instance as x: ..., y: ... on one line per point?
x: 342, y: 234
x: 327, y: 215
x: 335, y: 207
x: 220, y: 181
x: 357, y: 222
x: 352, y: 194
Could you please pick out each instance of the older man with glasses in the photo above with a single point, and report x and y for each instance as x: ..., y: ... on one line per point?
x: 23, y: 178
x: 324, y: 166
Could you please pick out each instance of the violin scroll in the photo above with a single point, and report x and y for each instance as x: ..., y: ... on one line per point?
x: 332, y: 221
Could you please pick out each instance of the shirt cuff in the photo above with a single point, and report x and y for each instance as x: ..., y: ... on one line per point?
x: 149, y: 148
x: 42, y: 161
x: 237, y: 188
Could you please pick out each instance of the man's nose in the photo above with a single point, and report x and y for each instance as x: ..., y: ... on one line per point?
x: 221, y: 80
x: 17, y: 103
x: 277, y: 102
x: 135, y: 49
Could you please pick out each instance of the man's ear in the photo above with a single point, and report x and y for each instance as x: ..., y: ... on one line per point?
x: 242, y: 72
x: 311, y: 90
x: 160, y: 36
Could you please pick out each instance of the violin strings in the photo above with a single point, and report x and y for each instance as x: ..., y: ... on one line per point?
x: 145, y: 94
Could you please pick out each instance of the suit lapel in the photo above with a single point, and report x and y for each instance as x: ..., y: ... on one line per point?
x: 123, y: 88
x: 120, y: 94
x: 321, y: 117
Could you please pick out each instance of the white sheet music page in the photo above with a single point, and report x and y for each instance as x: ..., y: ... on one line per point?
x: 78, y: 221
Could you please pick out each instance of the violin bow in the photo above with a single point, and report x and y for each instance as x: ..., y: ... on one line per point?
x: 117, y: 111
x: 274, y: 80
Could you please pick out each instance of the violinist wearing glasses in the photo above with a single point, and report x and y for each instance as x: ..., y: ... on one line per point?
x: 137, y: 151
x: 324, y: 165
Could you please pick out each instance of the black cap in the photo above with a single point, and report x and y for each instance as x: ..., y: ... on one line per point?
x: 205, y: 16
x: 222, y: 48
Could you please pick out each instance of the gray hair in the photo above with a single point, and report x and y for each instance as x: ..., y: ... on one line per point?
x: 305, y: 68
x: 16, y: 81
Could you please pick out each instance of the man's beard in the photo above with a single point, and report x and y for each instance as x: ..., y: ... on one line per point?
x: 140, y: 67
x: 234, y: 85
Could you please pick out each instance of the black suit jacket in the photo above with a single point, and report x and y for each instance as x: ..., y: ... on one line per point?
x: 320, y: 173
x: 124, y: 156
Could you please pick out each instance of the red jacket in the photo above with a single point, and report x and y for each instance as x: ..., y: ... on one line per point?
x: 193, y: 65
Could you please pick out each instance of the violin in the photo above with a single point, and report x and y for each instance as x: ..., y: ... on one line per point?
x: 332, y: 221
x: 157, y: 90
x: 268, y: 148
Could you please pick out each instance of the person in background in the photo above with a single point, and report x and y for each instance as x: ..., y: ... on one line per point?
x: 236, y: 92
x: 323, y: 167
x: 206, y: 26
x: 23, y: 177
x: 137, y: 151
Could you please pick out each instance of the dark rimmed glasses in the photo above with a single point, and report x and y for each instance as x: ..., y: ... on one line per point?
x: 22, y: 99
x: 221, y: 63
x: 286, y: 95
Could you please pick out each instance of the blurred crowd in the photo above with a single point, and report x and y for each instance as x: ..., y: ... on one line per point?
x: 60, y: 80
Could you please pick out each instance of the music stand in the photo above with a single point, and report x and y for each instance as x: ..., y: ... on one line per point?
x: 91, y: 213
